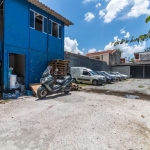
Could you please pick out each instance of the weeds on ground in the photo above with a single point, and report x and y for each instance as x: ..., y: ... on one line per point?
x: 82, y: 84
x: 141, y: 86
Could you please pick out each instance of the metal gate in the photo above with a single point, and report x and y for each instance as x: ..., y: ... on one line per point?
x: 136, y: 71
x: 147, y: 71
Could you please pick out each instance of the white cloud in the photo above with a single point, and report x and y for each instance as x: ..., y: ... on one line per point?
x: 92, y: 50
x: 126, y: 48
x: 87, y: 1
x: 115, y: 38
x: 140, y: 7
x: 127, y: 35
x: 98, y: 5
x: 113, y: 8
x: 122, y: 31
x: 72, y: 46
x: 101, y: 13
x: 89, y: 16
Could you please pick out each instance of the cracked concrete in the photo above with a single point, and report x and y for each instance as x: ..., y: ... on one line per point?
x: 79, y: 121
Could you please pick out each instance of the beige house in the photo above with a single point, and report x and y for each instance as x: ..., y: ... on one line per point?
x: 112, y: 57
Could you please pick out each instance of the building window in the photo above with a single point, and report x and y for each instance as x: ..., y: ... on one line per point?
x: 60, y: 31
x: 55, y: 29
x: 38, y: 22
x: 45, y: 25
x: 101, y: 57
x: 31, y: 19
x: 49, y: 26
x: 97, y: 58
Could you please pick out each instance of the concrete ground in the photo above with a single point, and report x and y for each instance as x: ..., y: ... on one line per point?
x: 129, y: 86
x: 79, y: 121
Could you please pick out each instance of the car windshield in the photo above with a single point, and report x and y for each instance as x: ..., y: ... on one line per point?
x: 93, y: 73
x: 117, y: 73
x: 105, y: 73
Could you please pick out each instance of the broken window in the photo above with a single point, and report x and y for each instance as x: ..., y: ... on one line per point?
x: 55, y: 29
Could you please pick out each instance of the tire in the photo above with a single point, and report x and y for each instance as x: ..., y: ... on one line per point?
x: 66, y: 92
x: 42, y: 92
x: 95, y: 82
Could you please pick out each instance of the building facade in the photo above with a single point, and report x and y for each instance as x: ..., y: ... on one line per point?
x: 31, y: 34
x: 142, y: 56
x: 111, y: 57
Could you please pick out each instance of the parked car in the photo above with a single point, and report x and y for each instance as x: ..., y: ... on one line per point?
x: 113, y: 77
x: 108, y: 78
x: 117, y: 75
x: 85, y: 75
x: 123, y: 75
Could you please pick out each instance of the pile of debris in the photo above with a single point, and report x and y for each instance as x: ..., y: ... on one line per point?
x: 75, y: 87
x: 61, y: 65
x: 2, y: 102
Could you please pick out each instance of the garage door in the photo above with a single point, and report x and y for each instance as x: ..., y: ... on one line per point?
x: 147, y: 71
x: 136, y: 71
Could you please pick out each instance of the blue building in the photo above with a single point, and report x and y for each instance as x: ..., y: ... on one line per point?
x: 31, y: 34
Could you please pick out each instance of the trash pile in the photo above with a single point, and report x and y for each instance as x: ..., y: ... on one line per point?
x: 2, y: 102
x: 75, y: 87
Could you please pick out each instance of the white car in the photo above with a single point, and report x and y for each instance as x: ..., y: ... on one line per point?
x: 85, y: 75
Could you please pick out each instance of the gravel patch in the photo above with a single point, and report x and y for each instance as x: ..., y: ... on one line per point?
x: 79, y: 121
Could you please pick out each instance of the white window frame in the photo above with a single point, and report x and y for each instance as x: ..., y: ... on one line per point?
x: 42, y: 21
x: 43, y: 24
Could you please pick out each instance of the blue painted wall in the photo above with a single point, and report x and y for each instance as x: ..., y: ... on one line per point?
x: 39, y: 48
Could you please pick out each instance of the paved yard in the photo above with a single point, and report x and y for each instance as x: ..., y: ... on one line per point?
x: 79, y: 121
x: 129, y: 86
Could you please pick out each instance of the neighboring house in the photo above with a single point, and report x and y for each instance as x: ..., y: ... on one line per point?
x: 138, y: 68
x: 124, y: 60
x: 31, y: 34
x: 142, y: 56
x: 110, y: 56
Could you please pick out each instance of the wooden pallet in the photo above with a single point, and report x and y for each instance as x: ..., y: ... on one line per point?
x: 34, y: 87
x: 61, y: 65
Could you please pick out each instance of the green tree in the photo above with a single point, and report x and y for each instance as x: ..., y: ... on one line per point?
x: 147, y: 49
x: 141, y: 38
x: 132, y: 60
x: 119, y: 51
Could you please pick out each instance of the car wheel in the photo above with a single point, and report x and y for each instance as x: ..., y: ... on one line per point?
x: 66, y: 92
x: 95, y: 82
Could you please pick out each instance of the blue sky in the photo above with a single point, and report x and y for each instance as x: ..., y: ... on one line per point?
x: 99, y: 22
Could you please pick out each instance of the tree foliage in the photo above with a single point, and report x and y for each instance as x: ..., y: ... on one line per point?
x: 141, y: 38
x: 147, y: 49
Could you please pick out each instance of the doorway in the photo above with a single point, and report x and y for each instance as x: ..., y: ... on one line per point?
x: 17, y: 65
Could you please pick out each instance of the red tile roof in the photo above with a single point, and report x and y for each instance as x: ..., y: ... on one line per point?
x: 102, y: 52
